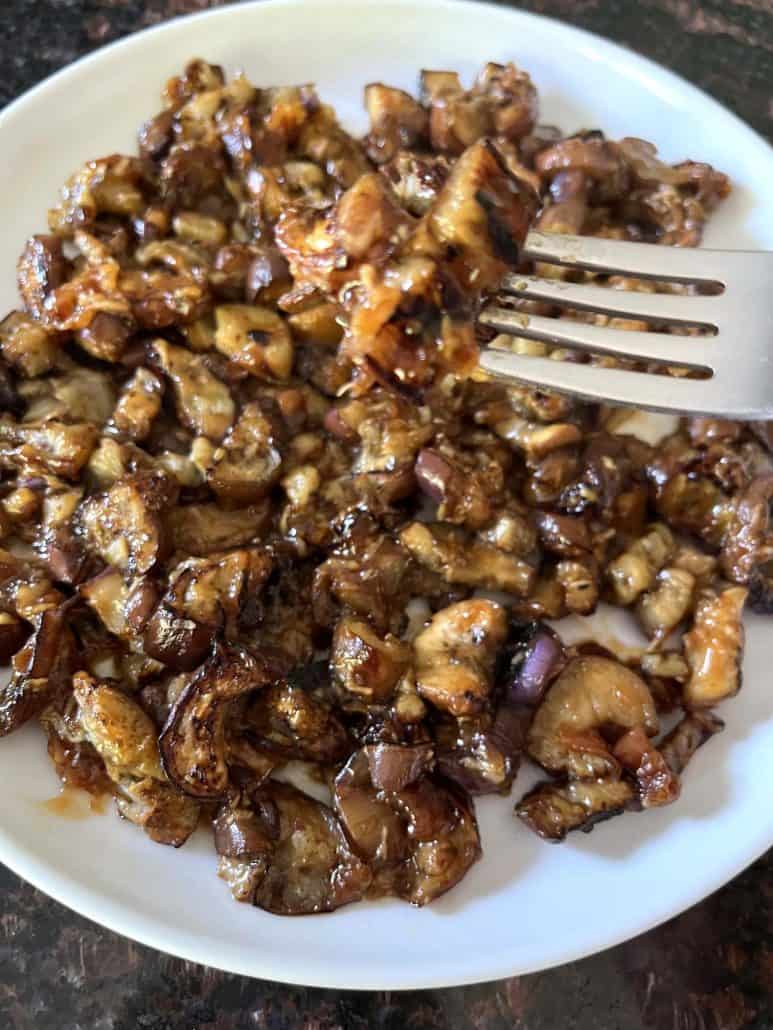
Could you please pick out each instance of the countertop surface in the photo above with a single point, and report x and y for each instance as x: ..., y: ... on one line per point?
x: 709, y: 969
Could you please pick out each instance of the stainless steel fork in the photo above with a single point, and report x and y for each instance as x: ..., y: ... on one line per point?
x: 737, y: 316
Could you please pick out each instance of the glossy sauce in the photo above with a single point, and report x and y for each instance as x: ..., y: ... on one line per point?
x: 73, y: 803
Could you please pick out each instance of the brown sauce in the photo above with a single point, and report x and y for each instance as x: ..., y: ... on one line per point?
x: 74, y: 804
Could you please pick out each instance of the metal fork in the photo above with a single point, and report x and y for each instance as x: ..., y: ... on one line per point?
x: 738, y: 315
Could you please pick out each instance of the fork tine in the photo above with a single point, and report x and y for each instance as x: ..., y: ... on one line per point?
x: 651, y: 307
x: 692, y: 352
x: 628, y: 389
x: 642, y: 260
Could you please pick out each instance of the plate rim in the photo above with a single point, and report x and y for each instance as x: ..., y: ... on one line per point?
x: 117, y: 916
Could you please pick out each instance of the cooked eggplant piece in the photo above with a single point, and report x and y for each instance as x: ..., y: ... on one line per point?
x: 565, y: 535
x: 117, y: 727
x: 106, y: 337
x: 657, y: 782
x: 552, y: 810
x: 416, y: 179
x: 122, y: 606
x: 42, y: 268
x: 255, y: 338
x: 365, y: 578
x: 76, y: 395
x: 138, y: 405
x: 465, y: 488
x: 124, y: 526
x: 748, y: 543
x: 204, y: 403
x: 76, y: 762
x: 455, y: 655
x: 512, y: 99
x: 202, y: 529
x: 534, y: 656
x: 502, y: 102
x: 535, y: 440
x: 592, y: 694
x: 665, y: 664
x: 396, y: 121
x: 442, y: 822
x: 714, y: 647
x: 166, y: 816
x: 661, y: 609
x: 59, y: 448
x: 192, y: 742
x: 390, y: 433
x: 579, y: 582
x: 635, y: 570
x: 365, y: 664
x: 421, y: 838
x: 466, y: 560
x: 242, y: 831
x: 246, y: 835
x: 393, y: 767
x: 206, y: 596
x: 374, y: 828
x: 40, y: 670
x: 124, y: 737
x: 692, y: 732
x: 26, y: 590
x: 179, y: 643
x: 311, y: 868
x: 287, y: 721
x: 249, y: 463
x: 27, y: 346
x: 482, y: 215
x: 482, y: 754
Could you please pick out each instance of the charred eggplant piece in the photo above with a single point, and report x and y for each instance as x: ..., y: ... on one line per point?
x: 206, y: 596
x: 192, y: 742
x: 40, y: 669
x: 552, y: 810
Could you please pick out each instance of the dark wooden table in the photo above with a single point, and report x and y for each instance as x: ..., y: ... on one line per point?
x: 709, y: 969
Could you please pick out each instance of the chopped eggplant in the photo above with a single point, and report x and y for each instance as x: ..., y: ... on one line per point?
x: 552, y: 810
x: 714, y: 647
x: 466, y: 560
x: 591, y: 695
x: 455, y: 655
x: 192, y: 742
x: 365, y: 664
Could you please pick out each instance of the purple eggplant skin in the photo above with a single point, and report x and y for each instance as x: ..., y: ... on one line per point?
x: 532, y: 660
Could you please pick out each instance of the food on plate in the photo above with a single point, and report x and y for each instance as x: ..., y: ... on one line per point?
x: 259, y: 508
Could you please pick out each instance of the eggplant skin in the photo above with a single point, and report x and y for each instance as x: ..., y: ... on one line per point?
x: 286, y: 853
x: 552, y: 810
x: 40, y: 670
x: 192, y: 742
x: 416, y: 830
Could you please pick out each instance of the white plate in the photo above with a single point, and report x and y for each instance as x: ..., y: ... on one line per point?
x: 527, y: 905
